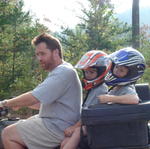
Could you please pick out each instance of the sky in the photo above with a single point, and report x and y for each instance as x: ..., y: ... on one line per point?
x: 55, y: 13
x: 123, y: 5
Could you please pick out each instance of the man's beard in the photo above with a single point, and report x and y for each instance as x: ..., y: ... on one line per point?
x: 49, y: 66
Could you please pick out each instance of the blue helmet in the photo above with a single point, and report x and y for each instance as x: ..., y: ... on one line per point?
x: 133, y: 60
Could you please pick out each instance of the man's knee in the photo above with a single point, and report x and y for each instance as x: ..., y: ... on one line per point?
x: 6, y: 133
x: 11, y: 133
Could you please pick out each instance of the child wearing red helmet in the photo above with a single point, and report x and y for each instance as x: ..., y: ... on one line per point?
x: 95, y: 65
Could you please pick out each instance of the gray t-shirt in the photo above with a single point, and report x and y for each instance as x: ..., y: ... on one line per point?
x: 60, y: 96
x: 92, y: 97
x: 123, y: 90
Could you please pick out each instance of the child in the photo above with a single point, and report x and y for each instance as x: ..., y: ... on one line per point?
x: 128, y: 66
x: 95, y: 65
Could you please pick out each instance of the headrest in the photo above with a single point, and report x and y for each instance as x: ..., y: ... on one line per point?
x: 143, y: 91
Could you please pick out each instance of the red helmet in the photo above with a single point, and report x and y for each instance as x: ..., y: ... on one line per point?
x: 97, y: 59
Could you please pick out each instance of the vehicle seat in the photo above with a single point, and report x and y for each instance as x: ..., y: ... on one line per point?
x: 143, y: 91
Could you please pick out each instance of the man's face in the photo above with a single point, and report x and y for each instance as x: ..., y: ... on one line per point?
x: 45, y: 56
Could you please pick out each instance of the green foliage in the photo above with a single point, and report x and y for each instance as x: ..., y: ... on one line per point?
x: 99, y: 29
x: 74, y: 43
x: 18, y: 69
x: 145, y: 50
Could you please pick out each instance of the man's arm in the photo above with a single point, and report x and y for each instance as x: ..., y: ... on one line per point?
x: 123, y: 99
x: 68, y: 131
x: 35, y: 106
x: 26, y: 99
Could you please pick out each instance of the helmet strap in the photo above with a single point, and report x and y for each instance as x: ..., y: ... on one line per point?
x: 88, y: 86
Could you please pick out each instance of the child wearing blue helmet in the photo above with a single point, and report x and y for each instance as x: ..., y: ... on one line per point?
x: 128, y: 66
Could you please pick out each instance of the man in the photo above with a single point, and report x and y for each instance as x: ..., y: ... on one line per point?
x: 59, y: 97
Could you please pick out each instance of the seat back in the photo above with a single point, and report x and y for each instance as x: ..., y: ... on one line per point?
x: 143, y: 92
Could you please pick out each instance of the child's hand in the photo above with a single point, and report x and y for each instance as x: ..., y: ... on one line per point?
x: 104, y: 98
x: 69, y: 131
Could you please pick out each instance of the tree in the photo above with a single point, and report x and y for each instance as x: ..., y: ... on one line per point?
x: 74, y: 43
x: 17, y: 62
x: 104, y: 31
x: 99, y: 29
x: 135, y: 24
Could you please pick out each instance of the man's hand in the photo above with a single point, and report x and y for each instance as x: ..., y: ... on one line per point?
x: 3, y: 103
x: 69, y: 131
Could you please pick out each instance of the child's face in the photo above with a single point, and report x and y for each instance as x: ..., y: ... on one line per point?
x: 90, y: 73
x: 120, y: 71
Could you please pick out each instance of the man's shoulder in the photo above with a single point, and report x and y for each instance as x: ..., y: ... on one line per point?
x: 65, y: 69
